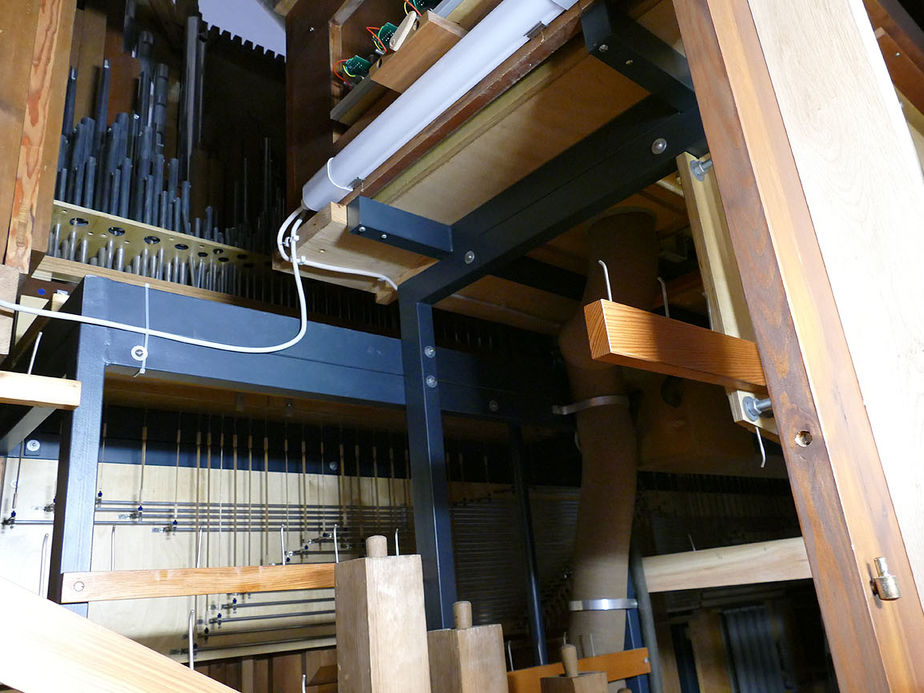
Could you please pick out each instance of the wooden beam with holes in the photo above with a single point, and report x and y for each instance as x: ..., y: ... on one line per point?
x: 628, y: 336
x: 183, y: 582
x: 747, y: 564
x: 48, y: 648
x: 792, y: 95
x: 617, y: 665
x: 38, y: 391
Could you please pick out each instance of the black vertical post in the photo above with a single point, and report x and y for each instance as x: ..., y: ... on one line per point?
x: 429, y: 483
x: 533, y: 599
x: 75, y: 497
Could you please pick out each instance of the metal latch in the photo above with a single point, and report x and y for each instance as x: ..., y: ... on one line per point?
x: 885, y: 584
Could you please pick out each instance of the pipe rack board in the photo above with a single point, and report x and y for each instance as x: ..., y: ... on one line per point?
x: 38, y: 391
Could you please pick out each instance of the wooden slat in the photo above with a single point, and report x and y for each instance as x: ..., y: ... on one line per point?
x: 48, y: 648
x: 38, y: 391
x: 747, y: 564
x: 432, y: 38
x: 712, y: 671
x: 617, y: 665
x: 628, y: 336
x: 41, y: 130
x: 182, y: 582
x: 791, y: 93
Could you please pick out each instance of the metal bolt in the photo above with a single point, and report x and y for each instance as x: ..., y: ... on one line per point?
x: 604, y: 48
x: 78, y: 586
x: 431, y: 381
x: 469, y: 257
x: 361, y: 229
x: 659, y: 146
x: 493, y: 405
x: 33, y: 445
x: 698, y: 168
x: 429, y: 352
x: 383, y: 236
x: 630, y: 61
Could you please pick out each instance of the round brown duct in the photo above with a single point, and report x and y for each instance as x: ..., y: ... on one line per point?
x: 628, y: 244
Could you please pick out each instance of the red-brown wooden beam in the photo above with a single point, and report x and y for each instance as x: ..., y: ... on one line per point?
x: 816, y: 175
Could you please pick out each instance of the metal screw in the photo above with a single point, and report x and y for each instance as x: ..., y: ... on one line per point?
x: 383, y: 236
x: 493, y: 405
x: 429, y: 352
x: 659, y: 146
x: 630, y: 61
x: 698, y: 168
x: 604, y: 48
x: 431, y: 381
x: 469, y: 257
x: 78, y: 586
x: 33, y: 445
x: 361, y: 229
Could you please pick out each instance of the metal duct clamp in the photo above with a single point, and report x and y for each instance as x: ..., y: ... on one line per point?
x: 604, y: 604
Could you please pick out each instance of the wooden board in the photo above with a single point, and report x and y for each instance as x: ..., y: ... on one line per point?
x: 9, y: 291
x: 627, y: 336
x: 801, y: 220
x: 180, y: 582
x: 712, y: 670
x: 767, y: 561
x: 432, y: 38
x: 381, y: 626
x: 467, y: 660
x: 38, y: 391
x: 585, y: 682
x: 617, y: 665
x: 48, y: 648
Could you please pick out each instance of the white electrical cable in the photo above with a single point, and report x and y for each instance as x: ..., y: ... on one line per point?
x: 99, y: 322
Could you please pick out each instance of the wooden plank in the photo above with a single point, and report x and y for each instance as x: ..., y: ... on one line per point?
x: 747, y: 564
x: 627, y: 336
x: 286, y: 672
x: 180, y: 582
x: 709, y: 655
x: 617, y: 665
x: 41, y: 130
x: 719, y: 270
x: 48, y: 648
x: 38, y: 391
x: 9, y: 291
x: 801, y: 219
x: 432, y: 38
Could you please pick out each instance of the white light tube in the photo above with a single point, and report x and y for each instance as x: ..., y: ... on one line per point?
x: 479, y: 52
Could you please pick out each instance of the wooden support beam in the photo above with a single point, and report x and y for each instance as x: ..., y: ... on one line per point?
x: 627, y: 336
x: 41, y: 132
x: 38, y: 391
x: 183, y: 582
x: 432, y: 38
x: 747, y: 564
x: 712, y: 670
x: 48, y: 648
x: 793, y: 95
x: 617, y: 665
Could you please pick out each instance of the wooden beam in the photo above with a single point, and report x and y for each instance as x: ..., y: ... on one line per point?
x: 712, y: 670
x: 432, y: 38
x: 41, y: 131
x: 747, y: 564
x: 627, y: 336
x: 38, y: 391
x: 182, y: 582
x: 793, y: 94
x: 617, y: 665
x: 48, y: 648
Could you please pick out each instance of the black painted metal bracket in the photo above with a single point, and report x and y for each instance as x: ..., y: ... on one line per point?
x: 641, y: 56
x: 379, y: 221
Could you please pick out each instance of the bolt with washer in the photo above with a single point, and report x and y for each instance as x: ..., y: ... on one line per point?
x: 659, y: 146
x: 429, y: 352
x: 431, y: 381
x: 33, y: 445
x: 469, y: 257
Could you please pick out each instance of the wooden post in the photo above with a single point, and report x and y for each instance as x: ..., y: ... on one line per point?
x: 41, y: 129
x: 381, y: 625
x: 467, y: 659
x: 823, y: 193
x: 574, y: 681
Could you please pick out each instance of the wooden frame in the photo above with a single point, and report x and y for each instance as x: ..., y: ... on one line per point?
x: 617, y: 665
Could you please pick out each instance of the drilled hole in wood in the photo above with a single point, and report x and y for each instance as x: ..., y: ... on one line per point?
x: 803, y: 439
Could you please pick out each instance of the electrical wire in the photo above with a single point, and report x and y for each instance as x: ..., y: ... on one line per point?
x: 376, y: 38
x: 413, y: 6
x: 182, y: 339
x: 337, y: 74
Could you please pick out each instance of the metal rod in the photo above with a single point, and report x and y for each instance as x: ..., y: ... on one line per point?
x: 191, y: 626
x: 646, y: 618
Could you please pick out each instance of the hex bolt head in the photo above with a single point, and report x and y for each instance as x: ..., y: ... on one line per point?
x: 429, y: 352
x: 361, y: 229
x: 33, y: 445
x: 431, y: 381
x: 603, y: 48
x: 659, y: 146
x: 383, y: 236
x: 469, y: 257
x: 493, y: 405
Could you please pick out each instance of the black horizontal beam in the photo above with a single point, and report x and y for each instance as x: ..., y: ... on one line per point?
x: 543, y: 276
x: 398, y: 228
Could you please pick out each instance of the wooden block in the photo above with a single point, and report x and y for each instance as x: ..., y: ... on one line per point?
x: 181, y: 582
x: 38, y: 391
x: 9, y: 290
x: 585, y: 682
x: 467, y: 659
x: 381, y: 626
x: 433, y: 37
x: 631, y: 337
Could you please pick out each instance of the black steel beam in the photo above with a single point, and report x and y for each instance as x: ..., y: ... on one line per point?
x: 543, y: 276
x: 633, y: 151
x: 398, y: 228
x: 429, y: 479
x: 629, y: 48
